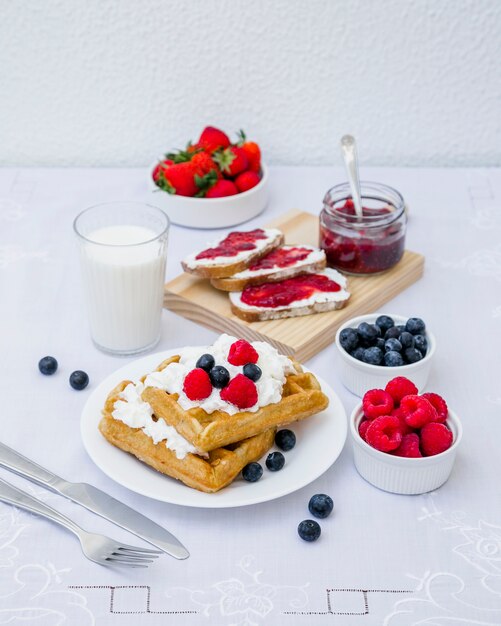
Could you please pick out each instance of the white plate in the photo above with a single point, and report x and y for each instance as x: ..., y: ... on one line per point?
x: 320, y: 440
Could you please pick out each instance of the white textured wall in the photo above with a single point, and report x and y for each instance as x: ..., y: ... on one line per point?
x: 116, y: 82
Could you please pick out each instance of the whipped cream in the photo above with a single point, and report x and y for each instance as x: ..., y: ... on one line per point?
x: 274, y: 367
x: 316, y: 255
x: 192, y: 262
x: 317, y: 297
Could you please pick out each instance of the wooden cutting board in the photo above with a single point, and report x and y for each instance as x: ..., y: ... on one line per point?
x: 301, y: 337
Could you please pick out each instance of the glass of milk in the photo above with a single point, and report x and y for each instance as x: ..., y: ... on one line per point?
x: 123, y: 252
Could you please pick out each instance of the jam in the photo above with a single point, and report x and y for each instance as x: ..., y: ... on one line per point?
x: 281, y: 257
x: 369, y: 244
x: 234, y: 243
x: 285, y: 292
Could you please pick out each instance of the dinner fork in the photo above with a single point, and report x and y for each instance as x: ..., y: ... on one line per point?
x: 97, y: 548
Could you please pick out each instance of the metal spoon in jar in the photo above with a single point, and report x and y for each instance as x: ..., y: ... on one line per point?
x: 349, y: 150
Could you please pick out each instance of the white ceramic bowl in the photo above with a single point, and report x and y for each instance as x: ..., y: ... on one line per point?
x: 211, y: 212
x: 359, y: 377
x: 401, y: 474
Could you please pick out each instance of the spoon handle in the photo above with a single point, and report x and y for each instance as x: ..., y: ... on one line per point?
x: 349, y: 150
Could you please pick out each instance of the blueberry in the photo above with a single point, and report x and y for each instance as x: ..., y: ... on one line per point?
x: 348, y: 338
x: 407, y: 340
x: 252, y: 472
x: 206, y: 362
x: 252, y: 371
x: 385, y: 323
x: 285, y: 439
x: 393, y: 344
x: 309, y: 530
x: 415, y: 326
x: 401, y: 328
x: 393, y: 359
x: 275, y: 461
x: 358, y: 353
x: 412, y: 355
x: 373, y: 356
x: 421, y: 343
x: 219, y: 376
x: 392, y: 333
x: 79, y: 380
x: 47, y: 365
x: 367, y: 333
x: 320, y: 505
x: 380, y: 343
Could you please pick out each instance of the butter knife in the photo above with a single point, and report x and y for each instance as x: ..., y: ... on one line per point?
x: 96, y: 501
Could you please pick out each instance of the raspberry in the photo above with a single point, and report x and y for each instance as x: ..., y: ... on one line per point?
x: 435, y: 438
x: 417, y: 411
x: 409, y: 446
x: 362, y: 428
x: 377, y: 402
x: 241, y: 392
x: 384, y: 433
x: 439, y: 404
x: 405, y: 429
x: 197, y: 385
x: 241, y: 352
x: 400, y: 387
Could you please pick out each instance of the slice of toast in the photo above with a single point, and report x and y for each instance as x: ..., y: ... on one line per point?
x: 317, y: 302
x: 286, y: 261
x: 261, y: 242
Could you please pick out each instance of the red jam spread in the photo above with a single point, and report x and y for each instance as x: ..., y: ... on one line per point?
x: 234, y: 243
x: 368, y: 248
x: 284, y: 293
x: 280, y: 258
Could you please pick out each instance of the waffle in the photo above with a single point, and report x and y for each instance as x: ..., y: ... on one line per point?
x: 301, y: 398
x: 209, y: 474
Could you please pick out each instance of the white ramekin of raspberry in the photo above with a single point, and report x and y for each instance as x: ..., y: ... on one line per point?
x: 404, y: 442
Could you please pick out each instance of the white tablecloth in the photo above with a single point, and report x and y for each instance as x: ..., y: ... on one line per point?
x: 381, y: 559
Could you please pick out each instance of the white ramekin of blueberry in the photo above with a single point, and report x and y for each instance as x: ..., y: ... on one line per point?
x: 375, y: 348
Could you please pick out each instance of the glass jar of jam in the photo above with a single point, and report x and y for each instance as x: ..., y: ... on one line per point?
x: 367, y: 245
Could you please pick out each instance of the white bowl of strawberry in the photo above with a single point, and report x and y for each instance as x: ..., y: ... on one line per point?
x: 403, y: 442
x: 213, y: 183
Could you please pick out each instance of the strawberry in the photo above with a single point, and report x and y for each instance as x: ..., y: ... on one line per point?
x: 221, y: 189
x: 213, y: 139
x: 247, y: 180
x: 252, y: 151
x: 232, y: 160
x: 203, y: 164
x: 159, y: 167
x: 179, y: 179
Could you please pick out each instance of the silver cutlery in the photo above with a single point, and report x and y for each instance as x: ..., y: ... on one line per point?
x: 349, y: 151
x: 95, y: 547
x: 96, y: 501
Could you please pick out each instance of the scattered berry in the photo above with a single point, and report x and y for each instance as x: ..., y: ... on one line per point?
x: 320, y: 505
x: 79, y: 380
x: 409, y: 446
x: 417, y: 411
x: 385, y: 323
x: 252, y: 472
x: 439, y: 404
x: 367, y: 333
x: 275, y: 461
x: 219, y: 376
x: 309, y: 530
x: 240, y: 391
x: 285, y: 439
x: 412, y: 355
x: 415, y: 326
x: 241, y: 352
x: 393, y: 359
x: 435, y: 438
x: 384, y: 433
x: 197, y: 384
x: 373, y: 356
x: 47, y: 365
x: 222, y: 189
x: 348, y: 338
x: 362, y: 428
x: 392, y: 345
x: 407, y: 340
x: 247, y: 180
x: 252, y: 371
x: 206, y: 362
x: 377, y: 402
x: 400, y: 387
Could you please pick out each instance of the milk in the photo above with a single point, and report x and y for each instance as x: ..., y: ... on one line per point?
x: 124, y: 286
